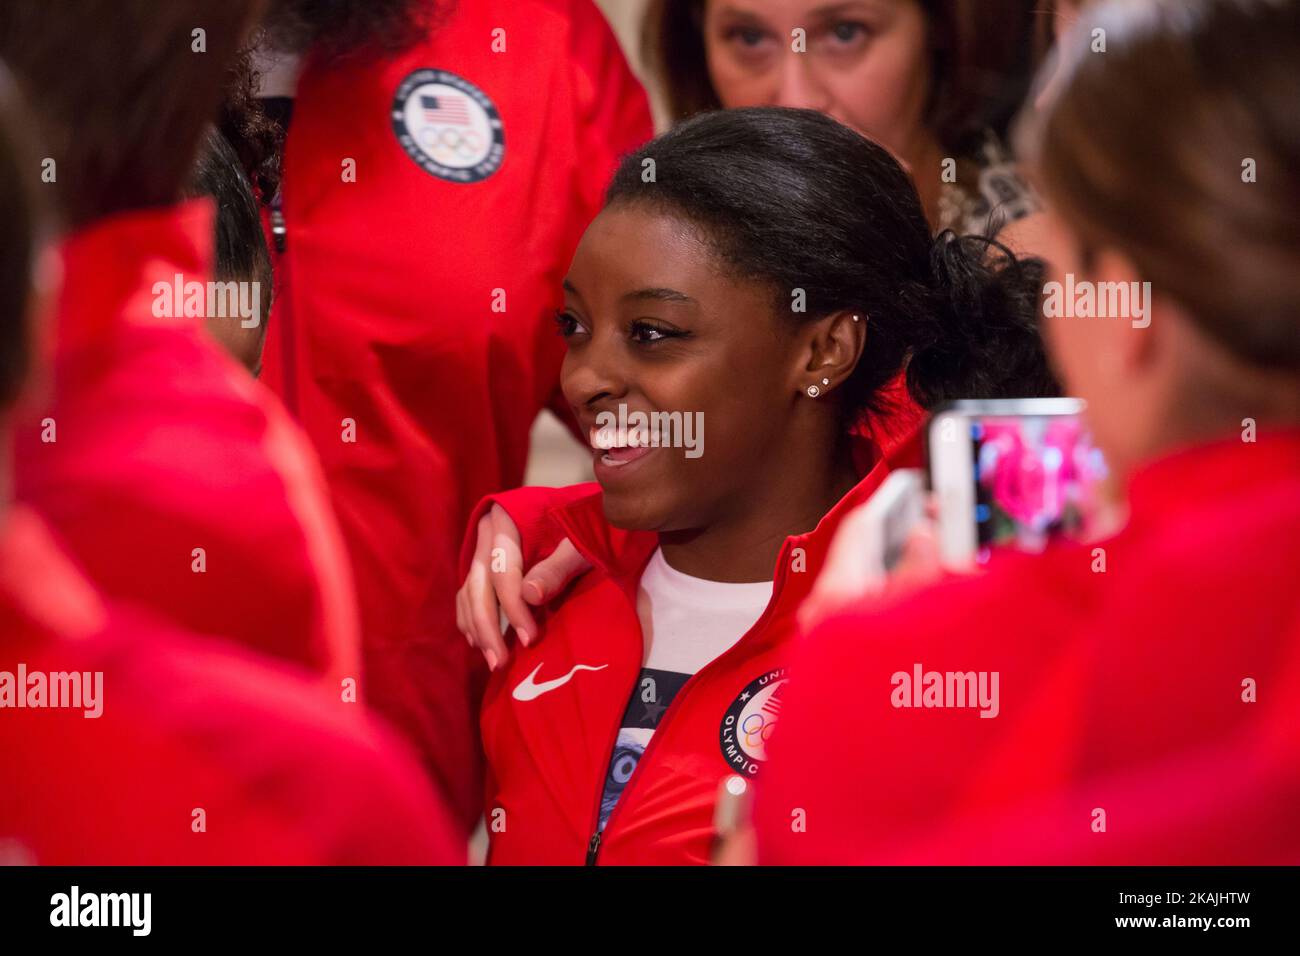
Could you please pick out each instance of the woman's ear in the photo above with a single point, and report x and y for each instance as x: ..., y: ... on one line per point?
x: 1129, y: 340
x: 832, y: 346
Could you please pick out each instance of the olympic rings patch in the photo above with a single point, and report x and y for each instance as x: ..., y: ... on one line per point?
x: 750, y: 720
x: 448, y: 126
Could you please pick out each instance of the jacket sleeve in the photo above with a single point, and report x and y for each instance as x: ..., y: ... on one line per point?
x: 529, y: 509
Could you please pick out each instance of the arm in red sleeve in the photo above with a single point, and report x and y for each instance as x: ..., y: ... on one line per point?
x: 529, y: 509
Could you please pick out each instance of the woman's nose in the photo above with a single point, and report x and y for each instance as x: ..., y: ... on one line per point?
x: 797, y: 83
x: 594, y: 374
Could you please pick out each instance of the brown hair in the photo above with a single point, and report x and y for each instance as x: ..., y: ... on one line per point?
x: 1045, y: 25
x: 359, y: 30
x: 19, y: 221
x: 1144, y: 148
x: 979, y: 52
x: 120, y: 95
x: 256, y: 138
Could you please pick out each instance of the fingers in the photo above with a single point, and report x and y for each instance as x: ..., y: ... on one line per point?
x: 477, y: 611
x: 461, y: 624
x: 509, y: 592
x: 506, y: 565
x: 485, y: 617
x: 847, y: 574
x: 856, y: 567
x: 920, y: 564
x: 506, y: 578
x: 464, y: 622
x: 849, y: 568
x: 496, y: 587
x: 551, y: 575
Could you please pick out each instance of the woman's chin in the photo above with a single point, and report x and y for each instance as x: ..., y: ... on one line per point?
x: 632, y: 513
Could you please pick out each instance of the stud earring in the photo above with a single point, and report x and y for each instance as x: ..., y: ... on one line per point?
x: 813, y: 391
x: 857, y: 318
x: 826, y: 381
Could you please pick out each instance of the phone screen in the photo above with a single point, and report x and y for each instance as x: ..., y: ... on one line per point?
x: 1036, y: 477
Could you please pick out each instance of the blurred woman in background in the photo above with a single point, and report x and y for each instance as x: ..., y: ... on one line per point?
x: 1149, y: 683
x: 930, y: 80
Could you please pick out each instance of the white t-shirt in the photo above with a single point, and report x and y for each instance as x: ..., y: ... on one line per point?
x: 686, y: 622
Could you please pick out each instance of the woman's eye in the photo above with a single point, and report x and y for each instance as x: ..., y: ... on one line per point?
x: 849, y: 32
x: 748, y: 38
x: 645, y: 333
x: 567, y: 324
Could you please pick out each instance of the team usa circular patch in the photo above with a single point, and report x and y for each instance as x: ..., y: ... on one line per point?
x: 448, y: 126
x: 749, y: 721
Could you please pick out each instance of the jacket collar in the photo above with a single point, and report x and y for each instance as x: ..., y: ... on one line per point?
x: 112, y: 266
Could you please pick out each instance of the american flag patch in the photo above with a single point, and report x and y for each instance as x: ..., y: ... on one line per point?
x: 772, y: 706
x: 445, y: 108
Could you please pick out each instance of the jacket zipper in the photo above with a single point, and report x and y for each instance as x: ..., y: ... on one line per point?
x: 593, y: 844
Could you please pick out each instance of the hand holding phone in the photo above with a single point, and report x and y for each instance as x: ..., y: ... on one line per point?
x: 869, y: 545
x: 1013, y: 474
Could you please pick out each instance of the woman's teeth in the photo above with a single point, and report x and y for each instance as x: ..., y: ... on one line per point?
x: 607, y: 439
x: 620, y: 447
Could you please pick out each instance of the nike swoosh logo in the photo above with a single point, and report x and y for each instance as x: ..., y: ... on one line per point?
x: 529, y: 689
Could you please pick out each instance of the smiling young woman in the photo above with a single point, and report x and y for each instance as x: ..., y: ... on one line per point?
x: 774, y: 277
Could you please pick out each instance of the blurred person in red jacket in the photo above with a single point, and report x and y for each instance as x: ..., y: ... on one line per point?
x: 1142, y: 704
x: 441, y: 161
x: 727, y: 322
x: 176, y: 481
x: 124, y: 741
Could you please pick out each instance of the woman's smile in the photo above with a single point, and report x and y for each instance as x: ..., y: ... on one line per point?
x: 614, y: 450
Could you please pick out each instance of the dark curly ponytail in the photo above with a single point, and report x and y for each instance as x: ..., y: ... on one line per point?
x: 256, y: 139
x: 984, y: 340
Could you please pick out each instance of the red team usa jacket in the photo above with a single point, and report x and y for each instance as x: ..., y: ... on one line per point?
x: 413, y: 334
x: 551, y: 715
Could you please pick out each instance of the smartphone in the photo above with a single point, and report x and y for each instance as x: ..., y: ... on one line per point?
x: 1013, y: 473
